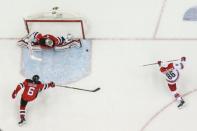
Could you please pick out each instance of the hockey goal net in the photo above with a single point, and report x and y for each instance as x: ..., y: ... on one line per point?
x: 57, y: 23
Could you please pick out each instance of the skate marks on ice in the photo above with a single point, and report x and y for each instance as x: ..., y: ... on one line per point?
x: 163, y: 109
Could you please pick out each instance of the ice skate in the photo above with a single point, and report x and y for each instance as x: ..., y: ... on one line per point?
x: 22, y: 122
x: 182, y: 102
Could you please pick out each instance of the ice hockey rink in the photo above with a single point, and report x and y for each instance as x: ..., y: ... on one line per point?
x: 125, y: 35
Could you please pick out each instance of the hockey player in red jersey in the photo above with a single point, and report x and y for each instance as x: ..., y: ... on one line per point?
x: 45, y: 41
x: 171, y: 73
x: 31, y: 89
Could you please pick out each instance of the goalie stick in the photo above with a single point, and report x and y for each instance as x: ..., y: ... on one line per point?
x: 94, y: 90
x: 30, y: 50
x: 31, y: 53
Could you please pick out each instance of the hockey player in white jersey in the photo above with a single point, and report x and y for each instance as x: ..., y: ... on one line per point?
x: 171, y: 73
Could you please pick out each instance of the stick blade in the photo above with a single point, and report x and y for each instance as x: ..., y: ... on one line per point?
x: 97, y: 89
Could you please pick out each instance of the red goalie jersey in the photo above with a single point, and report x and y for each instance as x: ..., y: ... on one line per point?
x: 38, y: 41
x: 47, y: 40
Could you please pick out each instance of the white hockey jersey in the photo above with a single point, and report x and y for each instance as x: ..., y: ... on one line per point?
x: 171, y: 71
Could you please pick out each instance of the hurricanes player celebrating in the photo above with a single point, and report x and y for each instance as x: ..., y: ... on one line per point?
x: 30, y: 92
x: 171, y: 73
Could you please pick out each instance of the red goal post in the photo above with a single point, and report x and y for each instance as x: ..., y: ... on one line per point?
x: 56, y: 23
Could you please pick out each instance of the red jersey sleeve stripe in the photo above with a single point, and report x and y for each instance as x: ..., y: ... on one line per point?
x: 21, y: 85
x: 45, y: 86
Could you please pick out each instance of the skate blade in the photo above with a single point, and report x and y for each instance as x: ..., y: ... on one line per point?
x: 21, y: 124
x: 183, y: 106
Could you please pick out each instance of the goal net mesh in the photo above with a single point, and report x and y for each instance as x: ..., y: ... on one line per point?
x: 56, y: 23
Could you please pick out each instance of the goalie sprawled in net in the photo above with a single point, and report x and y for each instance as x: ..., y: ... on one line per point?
x: 55, y: 47
x: 37, y: 41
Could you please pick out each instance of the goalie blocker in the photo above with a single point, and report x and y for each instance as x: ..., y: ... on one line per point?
x: 38, y: 41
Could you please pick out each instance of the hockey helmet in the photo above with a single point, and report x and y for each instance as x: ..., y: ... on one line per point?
x: 35, y: 78
x: 49, y: 42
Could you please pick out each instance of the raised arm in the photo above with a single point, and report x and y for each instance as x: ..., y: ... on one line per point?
x: 18, y: 88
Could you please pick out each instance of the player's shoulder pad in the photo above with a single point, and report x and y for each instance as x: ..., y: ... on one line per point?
x: 162, y: 69
x: 29, y: 80
x: 170, y: 65
x: 39, y: 82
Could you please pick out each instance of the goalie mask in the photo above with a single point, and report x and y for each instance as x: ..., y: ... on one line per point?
x: 49, y: 42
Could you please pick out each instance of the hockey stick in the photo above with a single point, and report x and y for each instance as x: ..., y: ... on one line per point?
x: 28, y: 45
x: 173, y: 60
x: 94, y: 90
x: 157, y: 63
x: 31, y: 53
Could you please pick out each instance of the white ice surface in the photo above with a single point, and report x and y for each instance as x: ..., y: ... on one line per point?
x: 130, y: 95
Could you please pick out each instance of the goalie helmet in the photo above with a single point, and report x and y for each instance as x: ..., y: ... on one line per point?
x: 36, y: 78
x: 49, y: 42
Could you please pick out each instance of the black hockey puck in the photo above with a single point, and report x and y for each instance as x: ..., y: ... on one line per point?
x: 87, y: 50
